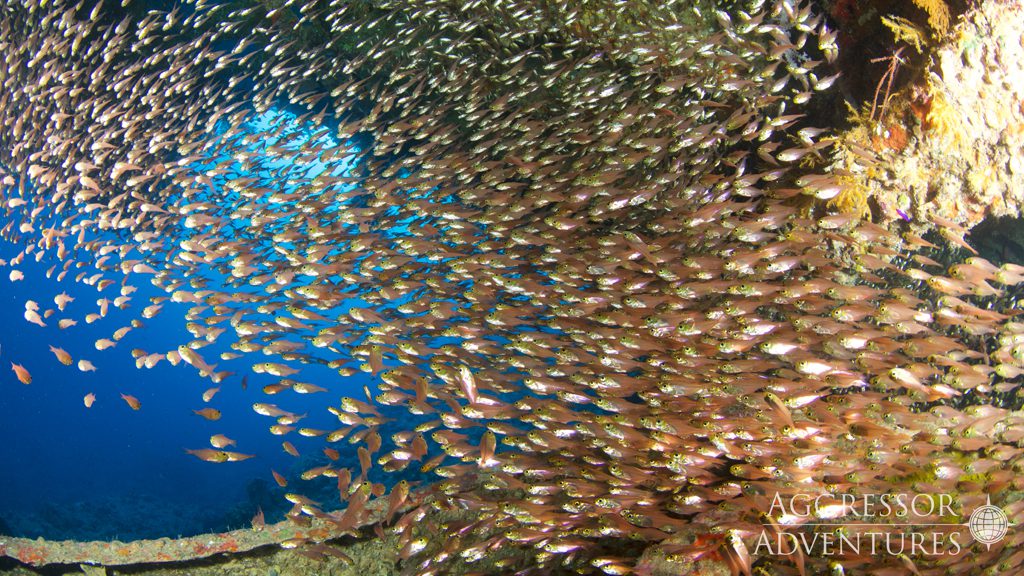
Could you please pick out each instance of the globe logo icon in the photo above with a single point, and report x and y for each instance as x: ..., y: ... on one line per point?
x: 988, y: 524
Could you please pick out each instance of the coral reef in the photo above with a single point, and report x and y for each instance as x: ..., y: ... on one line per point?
x: 952, y: 143
x: 870, y: 31
x: 938, y: 14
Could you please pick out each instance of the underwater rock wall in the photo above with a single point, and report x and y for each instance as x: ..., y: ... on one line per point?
x: 953, y: 144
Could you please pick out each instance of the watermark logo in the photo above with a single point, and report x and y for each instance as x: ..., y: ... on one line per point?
x: 988, y: 524
x: 894, y: 524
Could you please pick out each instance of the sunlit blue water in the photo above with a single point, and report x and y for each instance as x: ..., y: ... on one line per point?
x: 111, y: 472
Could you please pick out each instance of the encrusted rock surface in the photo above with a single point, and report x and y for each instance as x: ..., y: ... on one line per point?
x: 960, y: 154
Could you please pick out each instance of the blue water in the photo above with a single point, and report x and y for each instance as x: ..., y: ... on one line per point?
x: 110, y: 472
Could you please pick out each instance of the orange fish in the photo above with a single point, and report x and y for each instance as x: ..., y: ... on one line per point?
x: 274, y: 369
x: 306, y: 388
x: 209, y: 394
x: 468, y: 383
x: 488, y: 444
x: 61, y: 300
x: 258, y: 520
x: 86, y: 366
x: 268, y: 410
x: 289, y: 448
x: 344, y: 482
x: 364, y: 460
x: 34, y: 317
x: 218, y: 455
x: 104, y: 343
x: 221, y: 441
x: 376, y: 359
x: 89, y: 399
x: 23, y: 376
x: 432, y: 463
x: 209, y: 413
x: 271, y: 389
x: 132, y: 401
x: 61, y: 355
x: 399, y: 494
x: 279, y: 479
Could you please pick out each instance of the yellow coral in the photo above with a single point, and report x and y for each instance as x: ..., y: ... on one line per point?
x: 853, y: 199
x: 938, y: 14
x: 942, y: 119
x: 904, y: 30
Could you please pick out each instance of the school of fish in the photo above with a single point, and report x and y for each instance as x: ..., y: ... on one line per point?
x: 573, y: 239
